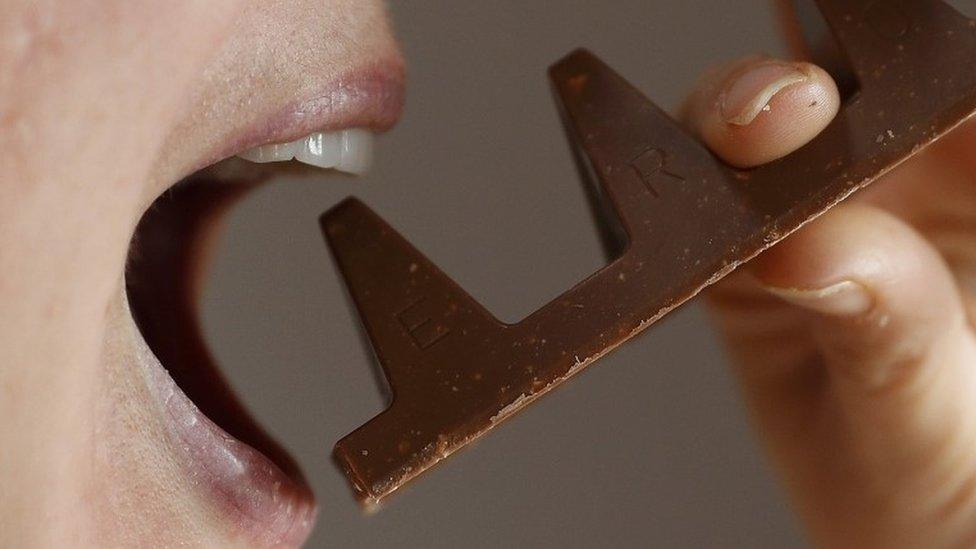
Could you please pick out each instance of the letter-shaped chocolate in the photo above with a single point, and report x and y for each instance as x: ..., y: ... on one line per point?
x: 681, y: 220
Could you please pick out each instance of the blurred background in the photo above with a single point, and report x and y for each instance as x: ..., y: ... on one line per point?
x: 649, y: 447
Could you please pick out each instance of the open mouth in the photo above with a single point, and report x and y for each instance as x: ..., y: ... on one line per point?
x: 250, y: 478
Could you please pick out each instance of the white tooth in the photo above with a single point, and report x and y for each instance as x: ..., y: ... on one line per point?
x: 356, y: 151
x: 348, y: 150
x: 274, y: 152
x: 319, y: 149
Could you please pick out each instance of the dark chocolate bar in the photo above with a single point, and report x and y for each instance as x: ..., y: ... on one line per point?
x: 679, y: 217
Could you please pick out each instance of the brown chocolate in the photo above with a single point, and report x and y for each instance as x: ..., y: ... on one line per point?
x: 682, y: 219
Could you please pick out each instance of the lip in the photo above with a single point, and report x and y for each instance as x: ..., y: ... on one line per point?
x: 253, y: 483
x: 370, y: 98
x: 243, y: 476
x: 264, y: 503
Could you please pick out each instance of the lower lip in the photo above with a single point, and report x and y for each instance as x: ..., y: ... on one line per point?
x: 249, y: 490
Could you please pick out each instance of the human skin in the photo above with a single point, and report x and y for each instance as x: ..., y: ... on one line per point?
x: 103, y: 105
x: 852, y: 338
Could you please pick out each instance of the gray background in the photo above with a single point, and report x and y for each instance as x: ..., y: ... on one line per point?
x: 649, y: 447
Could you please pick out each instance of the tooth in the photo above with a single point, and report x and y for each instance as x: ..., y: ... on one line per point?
x: 320, y: 149
x: 348, y: 150
x: 274, y: 152
x: 356, y: 151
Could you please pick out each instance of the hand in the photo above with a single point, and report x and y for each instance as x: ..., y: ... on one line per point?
x: 853, y: 338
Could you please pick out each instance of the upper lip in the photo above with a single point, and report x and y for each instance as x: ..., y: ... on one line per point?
x: 370, y: 98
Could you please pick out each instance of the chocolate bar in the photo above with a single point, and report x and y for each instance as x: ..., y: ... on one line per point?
x: 678, y: 218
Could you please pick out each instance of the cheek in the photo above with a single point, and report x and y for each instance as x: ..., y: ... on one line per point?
x: 90, y: 88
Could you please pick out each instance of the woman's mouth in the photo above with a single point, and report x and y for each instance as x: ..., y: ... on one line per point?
x: 224, y: 455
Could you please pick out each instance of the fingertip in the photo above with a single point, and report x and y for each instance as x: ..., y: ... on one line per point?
x: 882, y: 294
x: 761, y: 109
x: 851, y: 241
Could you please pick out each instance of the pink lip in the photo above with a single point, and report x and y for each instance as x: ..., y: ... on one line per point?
x: 366, y: 98
x: 267, y: 505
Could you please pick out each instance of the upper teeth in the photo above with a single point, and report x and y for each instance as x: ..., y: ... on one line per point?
x: 346, y: 150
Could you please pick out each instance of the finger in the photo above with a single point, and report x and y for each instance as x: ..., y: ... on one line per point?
x: 895, y: 417
x: 759, y: 109
x: 884, y: 293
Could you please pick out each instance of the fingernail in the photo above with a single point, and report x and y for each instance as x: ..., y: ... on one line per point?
x: 749, y: 92
x: 847, y: 298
